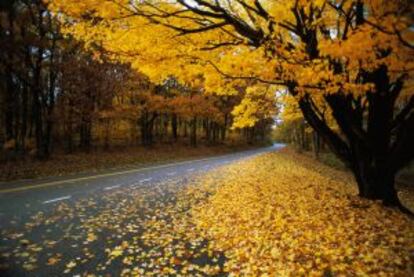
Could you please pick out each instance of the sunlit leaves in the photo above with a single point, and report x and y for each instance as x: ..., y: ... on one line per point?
x: 54, y: 260
x: 116, y: 252
x: 331, y: 62
x: 91, y: 237
x: 258, y: 103
x: 278, y: 215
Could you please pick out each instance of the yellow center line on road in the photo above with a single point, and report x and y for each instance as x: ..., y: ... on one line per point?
x: 54, y: 183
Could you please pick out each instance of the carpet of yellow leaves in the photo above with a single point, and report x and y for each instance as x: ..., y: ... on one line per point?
x: 277, y: 214
x: 272, y: 216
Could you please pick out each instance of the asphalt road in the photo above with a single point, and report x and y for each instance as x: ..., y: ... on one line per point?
x: 22, y: 202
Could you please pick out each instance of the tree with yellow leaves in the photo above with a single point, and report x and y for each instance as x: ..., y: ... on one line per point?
x: 354, y: 56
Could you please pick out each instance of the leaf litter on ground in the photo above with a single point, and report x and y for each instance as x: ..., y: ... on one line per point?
x: 278, y: 214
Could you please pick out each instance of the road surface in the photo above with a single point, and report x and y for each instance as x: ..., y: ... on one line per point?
x: 24, y: 203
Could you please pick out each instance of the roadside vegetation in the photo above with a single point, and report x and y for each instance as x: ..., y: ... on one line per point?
x: 295, y: 132
x: 306, y: 221
x: 59, y: 96
x: 112, y: 159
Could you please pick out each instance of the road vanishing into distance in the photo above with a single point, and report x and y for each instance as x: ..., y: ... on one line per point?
x: 23, y: 201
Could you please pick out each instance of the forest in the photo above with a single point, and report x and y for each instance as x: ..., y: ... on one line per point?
x: 207, y: 138
x: 59, y: 95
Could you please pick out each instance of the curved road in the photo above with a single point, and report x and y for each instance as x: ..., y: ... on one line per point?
x: 21, y: 200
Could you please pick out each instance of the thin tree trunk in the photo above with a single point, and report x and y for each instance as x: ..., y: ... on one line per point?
x: 315, y: 144
x: 174, y: 127
x: 193, y: 135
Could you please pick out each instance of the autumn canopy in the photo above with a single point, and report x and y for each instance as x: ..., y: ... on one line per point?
x: 348, y: 65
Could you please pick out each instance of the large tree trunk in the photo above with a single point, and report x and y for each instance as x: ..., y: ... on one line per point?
x: 376, y: 183
x: 373, y: 142
x: 374, y: 178
x: 373, y: 155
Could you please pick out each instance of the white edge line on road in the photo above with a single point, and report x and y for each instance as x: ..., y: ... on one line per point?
x: 105, y: 175
x: 145, y: 180
x: 171, y: 173
x: 111, y: 174
x: 57, y: 199
x: 113, y: 187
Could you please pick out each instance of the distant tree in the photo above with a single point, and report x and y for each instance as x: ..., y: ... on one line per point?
x: 29, y: 39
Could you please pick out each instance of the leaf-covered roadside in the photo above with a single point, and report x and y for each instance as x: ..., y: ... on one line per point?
x: 138, y: 230
x: 273, y: 215
x: 60, y: 164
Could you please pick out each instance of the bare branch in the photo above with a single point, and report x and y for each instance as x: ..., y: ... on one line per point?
x: 222, y: 44
x: 251, y: 78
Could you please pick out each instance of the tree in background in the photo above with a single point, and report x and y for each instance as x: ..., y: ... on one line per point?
x: 28, y: 65
x: 59, y: 92
x: 87, y: 87
x: 293, y: 128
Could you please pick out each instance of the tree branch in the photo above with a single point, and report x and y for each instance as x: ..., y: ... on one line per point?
x: 251, y: 78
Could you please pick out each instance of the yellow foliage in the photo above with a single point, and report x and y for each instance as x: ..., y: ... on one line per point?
x: 274, y: 215
x: 258, y: 103
x: 151, y: 45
